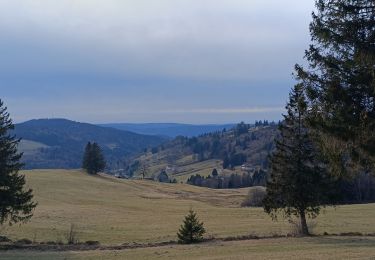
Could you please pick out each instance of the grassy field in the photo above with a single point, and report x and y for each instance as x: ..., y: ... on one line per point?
x: 292, y: 248
x: 115, y: 211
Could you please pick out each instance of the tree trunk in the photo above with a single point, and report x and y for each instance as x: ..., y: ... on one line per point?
x: 304, y: 228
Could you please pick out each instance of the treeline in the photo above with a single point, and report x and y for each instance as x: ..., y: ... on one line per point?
x: 360, y: 189
x: 232, y: 181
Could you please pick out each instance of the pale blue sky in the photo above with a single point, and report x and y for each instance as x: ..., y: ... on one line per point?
x: 191, y: 61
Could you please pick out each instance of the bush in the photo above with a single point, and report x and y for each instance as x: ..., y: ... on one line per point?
x: 255, y: 197
x: 24, y: 241
x: 4, y: 239
x: 92, y: 243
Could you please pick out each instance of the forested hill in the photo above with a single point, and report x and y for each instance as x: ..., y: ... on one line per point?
x: 59, y: 143
x: 243, y: 144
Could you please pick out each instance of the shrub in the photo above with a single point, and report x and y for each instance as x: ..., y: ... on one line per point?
x: 4, y: 239
x: 92, y: 243
x: 255, y: 197
x: 24, y: 241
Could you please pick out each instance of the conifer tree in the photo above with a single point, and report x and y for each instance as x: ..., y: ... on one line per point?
x: 340, y: 81
x: 215, y: 173
x: 86, y: 156
x: 191, y: 231
x: 298, y: 184
x: 93, y: 159
x: 16, y: 203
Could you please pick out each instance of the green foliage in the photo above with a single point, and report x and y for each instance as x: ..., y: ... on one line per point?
x: 241, y: 128
x: 234, y: 159
x: 298, y: 184
x: 93, y: 159
x: 340, y: 81
x: 163, y: 177
x: 16, y: 203
x: 86, y: 156
x: 191, y: 231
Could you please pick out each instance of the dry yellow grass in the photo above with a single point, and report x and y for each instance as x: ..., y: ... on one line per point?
x: 202, y: 168
x: 115, y: 211
x: 292, y: 248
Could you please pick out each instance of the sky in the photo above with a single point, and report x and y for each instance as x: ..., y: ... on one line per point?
x: 186, y: 61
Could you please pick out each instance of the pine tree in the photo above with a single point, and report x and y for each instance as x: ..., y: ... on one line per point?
x: 16, y: 203
x: 215, y: 173
x: 86, y: 156
x: 298, y: 184
x: 191, y: 231
x: 98, y: 158
x: 340, y: 81
x: 93, y: 159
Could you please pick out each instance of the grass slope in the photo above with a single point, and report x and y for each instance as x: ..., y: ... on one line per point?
x: 116, y: 211
x: 302, y: 248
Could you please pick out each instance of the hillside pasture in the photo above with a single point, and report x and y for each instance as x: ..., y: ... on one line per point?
x: 116, y: 211
x: 284, y: 249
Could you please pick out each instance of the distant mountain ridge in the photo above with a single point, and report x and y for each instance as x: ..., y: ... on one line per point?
x: 171, y: 130
x: 59, y: 143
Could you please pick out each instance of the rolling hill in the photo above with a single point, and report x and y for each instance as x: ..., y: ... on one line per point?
x: 59, y: 143
x: 226, y: 151
x: 169, y: 129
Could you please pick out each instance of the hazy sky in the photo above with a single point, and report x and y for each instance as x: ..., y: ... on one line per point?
x: 194, y: 61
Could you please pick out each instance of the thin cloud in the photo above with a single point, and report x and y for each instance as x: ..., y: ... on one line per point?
x: 150, y: 60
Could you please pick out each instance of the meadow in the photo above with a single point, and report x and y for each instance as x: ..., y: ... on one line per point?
x: 116, y: 211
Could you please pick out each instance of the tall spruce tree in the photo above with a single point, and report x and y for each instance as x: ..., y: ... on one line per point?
x: 340, y: 81
x: 16, y: 203
x: 298, y: 184
x: 191, y: 231
x: 93, y: 159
